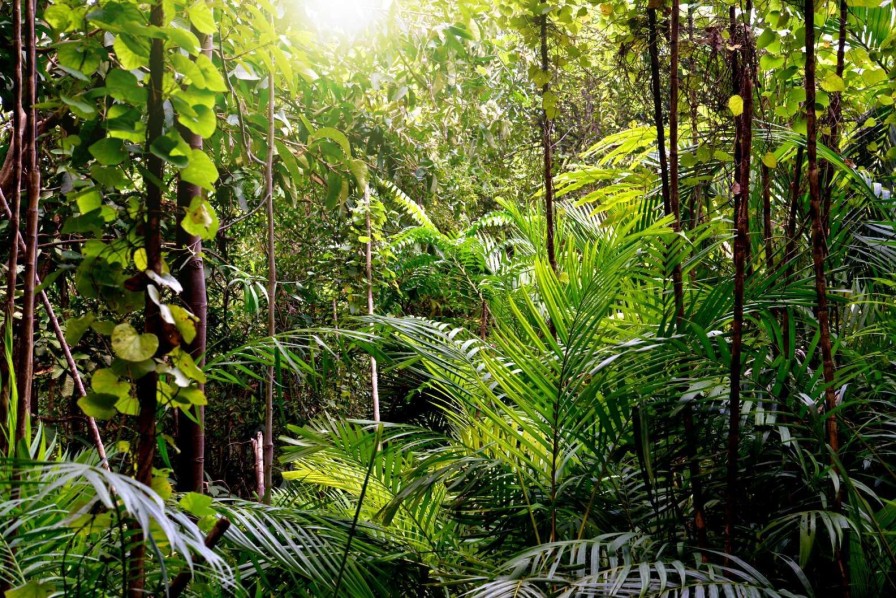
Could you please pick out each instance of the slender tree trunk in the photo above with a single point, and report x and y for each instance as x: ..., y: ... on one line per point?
x: 66, y: 350
x: 819, y: 240
x: 191, y: 435
x: 743, y: 143
x: 674, y: 203
x: 15, y: 154
x: 653, y: 49
x: 258, y: 454
x: 790, y: 244
x: 25, y: 348
x: 547, y: 125
x: 767, y: 232
x: 147, y: 385
x: 695, y: 210
x: 272, y: 295
x: 374, y: 378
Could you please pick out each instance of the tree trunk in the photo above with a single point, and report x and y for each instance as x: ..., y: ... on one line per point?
x: 14, y: 157
x: 190, y: 466
x: 767, y: 232
x: 66, y: 350
x: 819, y: 240
x: 374, y: 378
x: 674, y: 203
x: 147, y: 385
x: 687, y: 411
x: 25, y: 347
x: 657, y: 107
x: 272, y: 295
x: 743, y: 143
x: 547, y: 124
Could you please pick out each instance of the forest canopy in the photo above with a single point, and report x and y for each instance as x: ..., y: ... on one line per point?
x: 447, y: 298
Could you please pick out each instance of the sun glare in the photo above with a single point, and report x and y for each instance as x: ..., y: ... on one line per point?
x: 348, y: 17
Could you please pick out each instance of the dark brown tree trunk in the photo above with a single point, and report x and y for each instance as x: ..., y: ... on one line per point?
x: 190, y: 466
x: 25, y: 346
x: 653, y: 50
x: 14, y: 157
x: 819, y: 241
x: 674, y: 202
x: 547, y: 126
x: 152, y: 238
x: 678, y: 287
x: 742, y: 145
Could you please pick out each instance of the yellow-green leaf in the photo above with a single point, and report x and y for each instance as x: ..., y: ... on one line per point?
x: 736, y: 105
x: 832, y: 83
x: 130, y: 345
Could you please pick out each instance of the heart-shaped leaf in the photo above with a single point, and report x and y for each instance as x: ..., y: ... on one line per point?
x: 131, y: 345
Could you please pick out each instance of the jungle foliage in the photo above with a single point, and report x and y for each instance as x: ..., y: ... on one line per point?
x: 372, y: 298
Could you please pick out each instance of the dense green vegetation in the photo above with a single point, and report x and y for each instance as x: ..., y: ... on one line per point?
x: 371, y: 298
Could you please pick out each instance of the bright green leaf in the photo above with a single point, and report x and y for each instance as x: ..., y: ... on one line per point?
x: 200, y: 171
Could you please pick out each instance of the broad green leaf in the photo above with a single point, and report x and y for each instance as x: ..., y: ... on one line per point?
x: 200, y: 219
x: 140, y: 260
x: 191, y: 395
x: 105, y: 381
x: 873, y: 76
x: 289, y: 160
x: 182, y: 38
x: 108, y: 176
x: 185, y: 322
x: 769, y: 160
x: 131, y: 345
x: 334, y: 190
x: 109, y: 152
x: 200, y: 171
x: 201, y: 17
x: 214, y: 81
x: 359, y: 170
x: 832, y: 83
x: 132, y: 52
x: 75, y: 328
x: 202, y: 122
x: 124, y: 86
x: 82, y: 108
x: 172, y: 148
x: 128, y: 405
x: 189, y: 69
x: 333, y: 135
x: 84, y: 56
x: 198, y: 505
x: 98, y: 406
x: 184, y: 362
x: 770, y: 62
x: 58, y: 17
